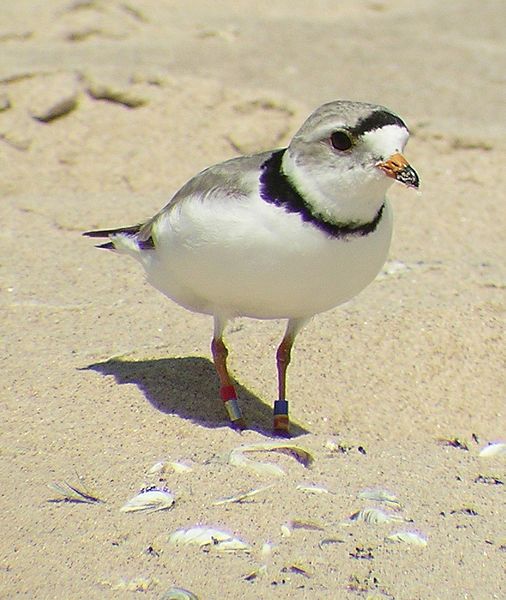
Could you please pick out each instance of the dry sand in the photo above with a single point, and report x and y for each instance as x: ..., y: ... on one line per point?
x: 102, y: 376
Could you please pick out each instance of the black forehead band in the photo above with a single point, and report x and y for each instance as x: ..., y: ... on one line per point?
x: 376, y: 120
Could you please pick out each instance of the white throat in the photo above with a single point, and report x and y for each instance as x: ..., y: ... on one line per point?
x: 351, y: 197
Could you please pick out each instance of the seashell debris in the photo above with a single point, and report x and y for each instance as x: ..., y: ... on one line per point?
x: 408, y: 537
x: 262, y: 570
x: 150, y: 499
x: 289, y: 526
x: 375, y: 516
x: 241, y: 496
x: 237, y: 457
x: 380, y: 495
x: 313, y: 489
x: 202, y: 536
x: 176, y: 593
x: 163, y: 466
x: 494, y: 449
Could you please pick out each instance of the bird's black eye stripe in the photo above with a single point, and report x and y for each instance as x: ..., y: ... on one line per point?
x: 340, y: 140
x: 377, y: 120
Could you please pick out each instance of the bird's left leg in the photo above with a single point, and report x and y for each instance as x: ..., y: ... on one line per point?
x: 281, y: 421
x: 227, y: 390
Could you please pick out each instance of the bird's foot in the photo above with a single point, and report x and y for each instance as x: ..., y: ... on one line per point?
x: 239, y: 424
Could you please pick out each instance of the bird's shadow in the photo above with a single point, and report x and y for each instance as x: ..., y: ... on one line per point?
x: 188, y: 387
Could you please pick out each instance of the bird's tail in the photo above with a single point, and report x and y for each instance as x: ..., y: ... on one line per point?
x: 122, y: 238
x: 105, y: 233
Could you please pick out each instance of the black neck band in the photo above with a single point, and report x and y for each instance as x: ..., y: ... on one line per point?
x: 276, y: 188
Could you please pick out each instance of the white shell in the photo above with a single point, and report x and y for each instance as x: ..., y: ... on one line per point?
x: 393, y: 267
x: 262, y: 570
x: 238, y: 459
x: 221, y: 541
x: 136, y: 584
x: 298, y: 524
x: 158, y: 467
x: 242, y: 496
x: 176, y: 593
x: 495, y: 449
x: 375, y: 516
x: 266, y: 550
x: 150, y: 500
x: 379, y: 495
x: 179, y: 467
x: 408, y: 537
x: 162, y: 466
x: 312, y: 489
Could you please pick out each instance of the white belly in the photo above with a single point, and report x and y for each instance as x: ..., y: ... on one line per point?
x: 275, y: 266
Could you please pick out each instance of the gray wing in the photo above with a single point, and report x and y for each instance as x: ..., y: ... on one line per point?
x: 233, y: 178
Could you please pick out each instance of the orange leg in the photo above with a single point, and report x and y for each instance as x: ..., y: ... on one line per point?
x: 227, y: 390
x: 281, y: 420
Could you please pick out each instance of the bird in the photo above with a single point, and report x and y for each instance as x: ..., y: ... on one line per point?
x: 281, y: 234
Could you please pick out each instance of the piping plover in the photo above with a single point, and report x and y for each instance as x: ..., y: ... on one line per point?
x: 283, y: 234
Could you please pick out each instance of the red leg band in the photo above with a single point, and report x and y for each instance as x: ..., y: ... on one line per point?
x: 227, y: 392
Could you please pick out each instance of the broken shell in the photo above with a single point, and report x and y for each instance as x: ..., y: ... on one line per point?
x: 208, y: 536
x: 329, y: 541
x: 379, y: 495
x: 408, y: 537
x: 262, y: 570
x: 289, y: 526
x: 312, y: 489
x: 176, y: 593
x: 309, y: 525
x: 242, y: 496
x: 238, y: 459
x: 158, y: 467
x: 455, y: 443
x: 494, y: 449
x: 297, y: 569
x: 179, y: 467
x: 136, y: 584
x: 375, y: 516
x: 266, y: 550
x: 150, y: 499
x: 162, y: 466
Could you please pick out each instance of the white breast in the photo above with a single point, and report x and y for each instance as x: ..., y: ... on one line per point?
x: 250, y: 258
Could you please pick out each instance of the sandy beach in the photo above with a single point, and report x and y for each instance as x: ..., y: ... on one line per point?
x: 106, y: 109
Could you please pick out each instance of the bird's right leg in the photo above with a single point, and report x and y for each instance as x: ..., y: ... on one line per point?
x: 227, y: 390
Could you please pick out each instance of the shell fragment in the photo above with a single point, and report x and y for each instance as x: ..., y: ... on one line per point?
x: 176, y: 593
x: 150, y: 499
x: 495, y: 449
x: 313, y: 489
x: 163, y: 466
x: 375, y: 516
x: 237, y: 457
x: 408, y: 537
x: 201, y: 536
x: 379, y: 495
x: 241, y: 496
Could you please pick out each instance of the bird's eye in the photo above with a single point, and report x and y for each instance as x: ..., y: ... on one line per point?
x: 340, y: 140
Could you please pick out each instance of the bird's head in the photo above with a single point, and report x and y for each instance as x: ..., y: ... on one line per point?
x: 345, y: 157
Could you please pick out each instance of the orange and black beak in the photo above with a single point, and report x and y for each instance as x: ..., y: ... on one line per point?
x: 399, y: 169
